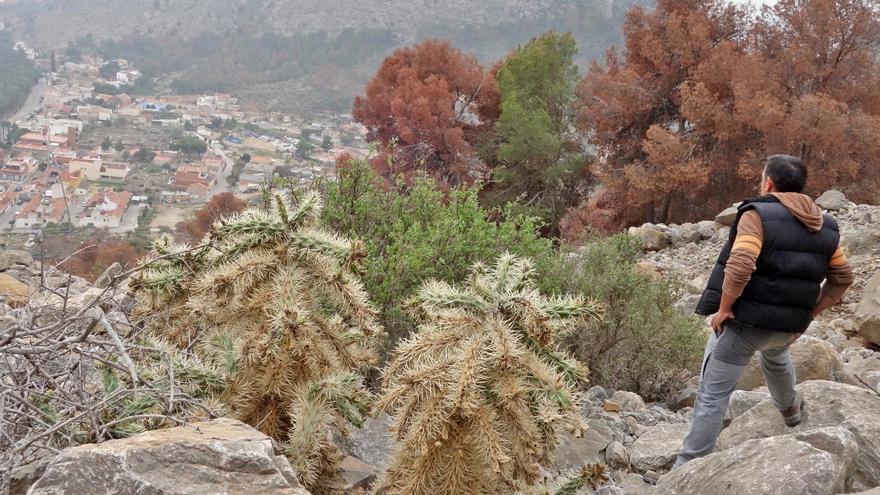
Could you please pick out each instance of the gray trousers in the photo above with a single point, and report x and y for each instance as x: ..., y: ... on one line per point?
x: 723, y: 363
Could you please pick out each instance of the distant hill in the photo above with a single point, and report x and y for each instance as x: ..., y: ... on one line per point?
x: 299, y: 54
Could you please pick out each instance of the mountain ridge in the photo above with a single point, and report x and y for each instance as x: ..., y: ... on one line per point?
x: 298, y: 54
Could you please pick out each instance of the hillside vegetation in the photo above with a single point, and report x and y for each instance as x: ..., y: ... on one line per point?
x: 297, y: 54
x: 16, y: 78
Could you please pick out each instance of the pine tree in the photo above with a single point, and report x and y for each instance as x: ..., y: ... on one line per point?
x: 275, y: 301
x: 479, y: 393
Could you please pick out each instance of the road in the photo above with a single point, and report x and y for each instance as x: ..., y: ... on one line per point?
x: 33, y: 102
x: 221, y: 185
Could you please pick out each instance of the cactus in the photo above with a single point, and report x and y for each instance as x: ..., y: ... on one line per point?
x: 274, y: 301
x: 478, y: 395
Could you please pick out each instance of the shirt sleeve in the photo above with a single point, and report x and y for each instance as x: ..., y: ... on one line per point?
x: 744, y: 253
x: 839, y: 276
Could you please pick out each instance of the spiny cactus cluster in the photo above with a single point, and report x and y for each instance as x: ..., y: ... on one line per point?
x: 274, y: 302
x: 479, y: 393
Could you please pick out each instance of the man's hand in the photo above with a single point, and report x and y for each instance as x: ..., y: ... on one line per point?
x: 719, y: 318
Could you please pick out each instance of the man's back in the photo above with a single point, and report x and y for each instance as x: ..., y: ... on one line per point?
x: 780, y: 250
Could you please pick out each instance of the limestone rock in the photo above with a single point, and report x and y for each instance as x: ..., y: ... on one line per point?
x: 687, y: 233
x: 687, y: 305
x: 726, y: 217
x: 372, y: 443
x: 634, y: 484
x: 743, y: 400
x: 573, y: 452
x: 12, y: 257
x: 629, y: 401
x: 354, y: 474
x: 657, y: 447
x: 810, y: 463
x: 866, y: 371
x: 22, y: 477
x: 686, y: 396
x: 813, y: 359
x: 706, y: 228
x: 697, y: 284
x: 219, y: 456
x: 832, y: 200
x: 15, y: 293
x: 874, y: 491
x: 653, y: 237
x: 827, y: 404
x: 867, y: 314
x: 617, y: 455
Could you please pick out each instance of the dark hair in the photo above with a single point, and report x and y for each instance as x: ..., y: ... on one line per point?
x: 788, y: 173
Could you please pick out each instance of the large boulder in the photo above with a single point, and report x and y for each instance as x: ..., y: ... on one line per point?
x: 13, y: 292
x: 813, y: 359
x: 865, y: 370
x: 12, y: 257
x: 658, y: 446
x: 726, y: 217
x: 827, y: 404
x: 816, y: 462
x: 219, y: 456
x: 743, y: 400
x: 654, y: 238
x: 867, y: 314
x: 629, y: 401
x: 832, y: 200
x: 873, y: 491
x: 706, y: 228
x: 574, y: 452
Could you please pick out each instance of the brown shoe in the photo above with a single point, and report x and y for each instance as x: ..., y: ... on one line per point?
x: 792, y: 415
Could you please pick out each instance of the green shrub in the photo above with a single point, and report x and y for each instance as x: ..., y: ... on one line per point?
x: 644, y: 344
x: 421, y: 233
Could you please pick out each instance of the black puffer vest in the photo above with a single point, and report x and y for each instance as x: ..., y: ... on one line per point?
x: 783, y: 290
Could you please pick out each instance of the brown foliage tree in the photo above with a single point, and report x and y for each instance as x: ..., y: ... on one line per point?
x: 684, y: 119
x: 421, y: 106
x: 221, y: 205
x: 97, y: 254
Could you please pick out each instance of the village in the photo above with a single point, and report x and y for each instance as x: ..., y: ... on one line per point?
x: 91, y: 149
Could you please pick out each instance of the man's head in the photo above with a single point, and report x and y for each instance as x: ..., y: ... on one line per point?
x: 783, y: 173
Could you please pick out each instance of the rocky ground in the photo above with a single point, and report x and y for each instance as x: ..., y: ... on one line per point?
x: 835, y: 450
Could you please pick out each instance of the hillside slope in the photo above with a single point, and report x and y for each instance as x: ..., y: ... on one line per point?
x: 300, y: 53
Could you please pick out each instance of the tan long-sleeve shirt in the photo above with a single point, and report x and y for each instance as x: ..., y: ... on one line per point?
x: 750, y: 238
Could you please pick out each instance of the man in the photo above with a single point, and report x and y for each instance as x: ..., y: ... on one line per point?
x: 763, y: 293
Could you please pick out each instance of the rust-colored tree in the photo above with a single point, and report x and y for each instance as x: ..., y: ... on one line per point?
x: 97, y: 254
x: 421, y: 106
x: 221, y: 205
x: 684, y: 119
x: 631, y: 107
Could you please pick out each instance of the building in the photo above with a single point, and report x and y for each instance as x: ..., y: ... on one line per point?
x: 95, y: 113
x: 18, y: 170
x: 39, y: 145
x: 31, y: 214
x: 187, y: 175
x: 164, y: 157
x: 172, y: 197
x: 213, y: 165
x: 105, y: 209
x: 96, y: 169
x: 7, y: 201
x: 199, y: 192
